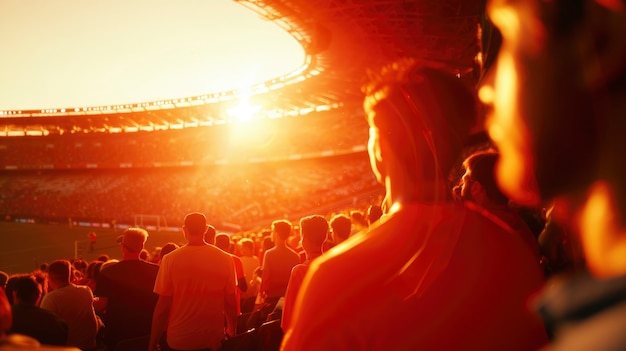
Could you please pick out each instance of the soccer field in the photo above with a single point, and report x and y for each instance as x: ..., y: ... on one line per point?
x: 24, y: 246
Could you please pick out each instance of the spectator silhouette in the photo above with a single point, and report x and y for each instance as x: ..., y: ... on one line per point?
x: 196, y: 286
x: 19, y: 341
x: 558, y: 100
x: 479, y: 186
x: 73, y: 303
x: 222, y: 240
x: 313, y: 234
x: 167, y: 248
x: 435, y: 274
x: 374, y: 212
x: 341, y: 226
x: 250, y: 264
x: 29, y: 319
x: 125, y: 289
x: 277, y: 264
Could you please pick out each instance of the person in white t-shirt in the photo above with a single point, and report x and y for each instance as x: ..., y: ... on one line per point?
x: 196, y: 286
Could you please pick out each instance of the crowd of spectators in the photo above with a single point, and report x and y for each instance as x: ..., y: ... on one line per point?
x: 266, y: 139
x: 235, y: 194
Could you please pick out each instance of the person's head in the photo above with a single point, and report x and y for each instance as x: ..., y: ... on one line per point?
x: 267, y: 243
x: 247, y: 247
x: 374, y: 212
x: 59, y: 273
x: 419, y: 119
x: 341, y: 227
x: 26, y: 290
x: 281, y: 230
x: 210, y: 234
x: 561, y: 67
x: 313, y: 232
x: 91, y: 268
x: 479, y: 184
x: 359, y: 219
x: 133, y: 241
x: 195, y: 226
x: 222, y: 240
x: 144, y: 254
x: 167, y: 248
x: 558, y: 98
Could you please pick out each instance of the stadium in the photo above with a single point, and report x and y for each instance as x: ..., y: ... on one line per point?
x: 298, y: 148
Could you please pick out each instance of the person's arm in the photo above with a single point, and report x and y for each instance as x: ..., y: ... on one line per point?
x: 242, y: 284
x: 265, y: 278
x: 159, y: 321
x: 230, y: 311
x: 100, y: 304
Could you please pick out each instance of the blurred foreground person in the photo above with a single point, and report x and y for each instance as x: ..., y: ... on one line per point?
x: 18, y: 342
x: 196, y: 285
x: 29, y: 319
x: 435, y: 274
x: 558, y: 92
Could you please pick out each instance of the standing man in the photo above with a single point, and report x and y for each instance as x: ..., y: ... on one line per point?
x: 92, y: 241
x: 277, y: 263
x: 196, y: 286
x: 125, y: 288
x: 73, y: 303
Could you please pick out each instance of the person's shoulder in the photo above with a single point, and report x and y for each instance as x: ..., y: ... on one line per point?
x: 299, y: 269
x: 148, y: 264
x: 84, y: 289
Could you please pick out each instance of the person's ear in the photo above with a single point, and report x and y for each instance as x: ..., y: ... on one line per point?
x: 601, y: 45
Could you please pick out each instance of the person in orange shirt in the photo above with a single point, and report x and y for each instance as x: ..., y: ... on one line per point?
x: 434, y: 274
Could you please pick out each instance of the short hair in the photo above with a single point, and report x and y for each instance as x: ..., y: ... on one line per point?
x: 482, y: 168
x: 247, y: 243
x: 282, y: 228
x: 26, y: 289
x: 134, y: 239
x: 167, y: 248
x: 342, y: 227
x: 60, y: 270
x: 222, y: 240
x: 314, y: 229
x: 210, y: 233
x: 91, y: 268
x: 374, y: 212
x: 425, y: 114
x: 195, y: 223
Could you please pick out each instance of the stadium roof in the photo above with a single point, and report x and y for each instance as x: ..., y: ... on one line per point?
x: 342, y: 40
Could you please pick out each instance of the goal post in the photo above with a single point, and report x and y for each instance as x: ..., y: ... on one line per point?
x: 149, y: 221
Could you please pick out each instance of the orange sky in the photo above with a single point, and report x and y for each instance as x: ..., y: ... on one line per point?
x: 81, y: 53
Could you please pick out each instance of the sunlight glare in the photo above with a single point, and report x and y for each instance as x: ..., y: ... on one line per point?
x: 75, y: 53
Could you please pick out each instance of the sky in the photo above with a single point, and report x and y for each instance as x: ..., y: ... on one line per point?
x: 85, y: 53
